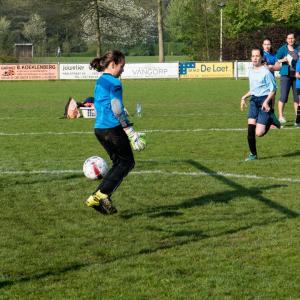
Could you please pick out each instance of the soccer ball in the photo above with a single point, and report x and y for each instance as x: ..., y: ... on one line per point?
x: 95, y: 167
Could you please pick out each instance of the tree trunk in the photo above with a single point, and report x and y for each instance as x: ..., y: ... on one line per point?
x: 160, y: 31
x: 98, y: 32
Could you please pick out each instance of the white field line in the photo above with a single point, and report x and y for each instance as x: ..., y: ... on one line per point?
x: 152, y: 115
x: 144, y: 131
x: 159, y: 172
x: 45, y: 133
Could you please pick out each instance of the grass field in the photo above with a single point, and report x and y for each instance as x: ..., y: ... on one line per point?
x: 195, y: 221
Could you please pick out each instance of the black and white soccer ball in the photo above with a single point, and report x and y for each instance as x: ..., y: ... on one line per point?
x: 95, y: 167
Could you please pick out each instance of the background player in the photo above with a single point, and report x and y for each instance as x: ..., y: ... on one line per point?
x: 270, y: 60
x: 288, y: 54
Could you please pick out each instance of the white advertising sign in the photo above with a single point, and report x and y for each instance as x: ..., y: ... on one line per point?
x: 77, y: 71
x: 242, y: 69
x: 150, y: 70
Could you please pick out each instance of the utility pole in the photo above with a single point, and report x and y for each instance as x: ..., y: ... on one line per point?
x: 221, y: 5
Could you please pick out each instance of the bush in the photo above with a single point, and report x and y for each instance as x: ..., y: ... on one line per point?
x: 8, y: 59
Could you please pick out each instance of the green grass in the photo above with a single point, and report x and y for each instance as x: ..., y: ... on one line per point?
x: 129, y: 59
x: 176, y: 236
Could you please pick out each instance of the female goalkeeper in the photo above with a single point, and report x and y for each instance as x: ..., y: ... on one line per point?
x: 112, y: 129
x: 262, y: 88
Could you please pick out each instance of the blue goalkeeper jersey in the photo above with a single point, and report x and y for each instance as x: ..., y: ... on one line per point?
x: 270, y: 58
x: 107, y: 88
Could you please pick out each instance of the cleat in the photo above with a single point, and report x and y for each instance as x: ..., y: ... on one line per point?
x: 106, y: 207
x: 102, y: 203
x: 94, y: 200
x: 282, y: 120
x: 251, y: 157
x: 275, y: 121
x: 297, y: 124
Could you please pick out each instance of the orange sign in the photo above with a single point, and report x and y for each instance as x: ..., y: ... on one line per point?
x: 29, y: 72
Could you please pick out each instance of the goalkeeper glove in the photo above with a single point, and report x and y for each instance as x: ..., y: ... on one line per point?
x: 137, y: 142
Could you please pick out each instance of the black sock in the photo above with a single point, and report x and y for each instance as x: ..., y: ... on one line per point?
x: 298, y: 115
x: 270, y: 122
x: 252, y: 139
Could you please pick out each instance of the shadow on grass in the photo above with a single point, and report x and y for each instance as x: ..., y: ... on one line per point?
x: 241, y: 189
x: 185, y: 237
x: 291, y: 154
x: 42, y: 179
x: 221, y: 197
x: 238, y: 190
x: 43, y: 275
x: 182, y: 237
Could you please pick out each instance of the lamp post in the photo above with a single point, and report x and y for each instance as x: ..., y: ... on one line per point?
x: 221, y: 5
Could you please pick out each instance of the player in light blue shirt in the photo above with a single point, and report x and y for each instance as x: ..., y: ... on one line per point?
x: 112, y: 129
x: 261, y: 81
x: 261, y: 114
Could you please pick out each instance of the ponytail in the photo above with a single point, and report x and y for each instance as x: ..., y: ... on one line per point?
x: 100, y: 64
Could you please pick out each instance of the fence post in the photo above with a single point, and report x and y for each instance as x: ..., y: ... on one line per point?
x: 236, y: 70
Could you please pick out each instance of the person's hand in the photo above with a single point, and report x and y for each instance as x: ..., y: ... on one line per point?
x: 282, y: 60
x: 243, y: 103
x: 136, y: 139
x: 265, y: 106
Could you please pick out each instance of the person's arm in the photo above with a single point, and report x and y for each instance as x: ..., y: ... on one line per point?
x: 137, y: 142
x: 265, y: 106
x: 276, y: 66
x: 281, y: 56
x: 119, y: 112
x: 117, y: 105
x: 271, y: 82
x: 283, y: 60
x: 244, y: 99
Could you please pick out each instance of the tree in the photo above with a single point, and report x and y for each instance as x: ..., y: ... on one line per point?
x: 17, y: 13
x: 63, y: 24
x: 35, y: 31
x: 247, y: 23
x: 195, y: 24
x: 242, y: 16
x: 281, y: 10
x: 160, y: 31
x: 114, y: 23
x: 4, y: 36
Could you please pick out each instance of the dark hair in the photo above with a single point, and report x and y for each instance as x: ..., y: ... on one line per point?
x: 271, y: 49
x: 289, y: 33
x: 261, y: 51
x: 102, y: 63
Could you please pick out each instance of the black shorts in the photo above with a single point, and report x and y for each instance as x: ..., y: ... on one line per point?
x: 116, y: 143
